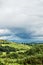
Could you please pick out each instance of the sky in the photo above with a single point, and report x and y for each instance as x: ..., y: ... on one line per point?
x: 21, y: 20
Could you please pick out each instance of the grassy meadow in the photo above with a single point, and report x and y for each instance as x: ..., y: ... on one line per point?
x: 12, y: 53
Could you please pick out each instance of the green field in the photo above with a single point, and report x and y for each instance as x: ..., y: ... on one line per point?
x: 12, y: 53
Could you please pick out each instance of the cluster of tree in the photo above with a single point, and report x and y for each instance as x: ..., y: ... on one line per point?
x: 4, y: 42
x: 34, y: 55
x: 36, y: 49
x: 33, y: 60
x: 12, y: 55
x: 7, y: 49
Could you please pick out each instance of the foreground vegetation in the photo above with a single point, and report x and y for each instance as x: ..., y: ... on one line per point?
x: 20, y: 54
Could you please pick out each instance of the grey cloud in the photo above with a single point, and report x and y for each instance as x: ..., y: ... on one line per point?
x: 26, y: 14
x: 16, y: 12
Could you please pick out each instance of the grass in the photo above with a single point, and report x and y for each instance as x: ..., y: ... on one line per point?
x: 21, y: 54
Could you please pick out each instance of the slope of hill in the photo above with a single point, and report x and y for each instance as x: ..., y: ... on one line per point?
x: 12, y: 53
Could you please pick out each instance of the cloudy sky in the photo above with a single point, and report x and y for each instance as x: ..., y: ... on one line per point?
x: 21, y: 20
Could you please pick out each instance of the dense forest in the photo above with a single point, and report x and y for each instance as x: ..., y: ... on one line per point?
x: 12, y: 53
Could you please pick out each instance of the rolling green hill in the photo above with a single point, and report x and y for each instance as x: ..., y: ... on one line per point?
x: 12, y: 53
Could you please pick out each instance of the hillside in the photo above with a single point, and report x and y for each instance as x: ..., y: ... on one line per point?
x: 12, y: 53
